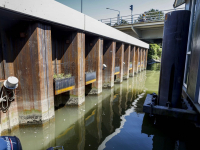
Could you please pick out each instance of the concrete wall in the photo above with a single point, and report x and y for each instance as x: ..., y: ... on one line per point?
x: 45, y: 11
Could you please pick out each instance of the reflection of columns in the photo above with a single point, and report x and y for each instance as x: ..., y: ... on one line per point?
x: 125, y: 95
x: 127, y: 49
x: 93, y: 120
x: 107, y: 111
x: 117, y: 99
x: 70, y: 127
x: 29, y: 58
x: 94, y: 61
x: 119, y: 59
x: 136, y: 59
x: 109, y: 49
x: 132, y: 59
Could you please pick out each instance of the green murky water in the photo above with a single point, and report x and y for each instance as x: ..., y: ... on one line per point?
x: 113, y: 120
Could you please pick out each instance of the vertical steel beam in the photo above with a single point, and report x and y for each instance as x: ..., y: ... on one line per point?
x: 119, y: 59
x: 126, y: 61
x: 132, y: 59
x: 29, y: 58
x: 109, y: 60
x: 140, y: 60
x: 94, y: 61
x: 146, y: 55
x: 75, y: 56
x: 136, y: 60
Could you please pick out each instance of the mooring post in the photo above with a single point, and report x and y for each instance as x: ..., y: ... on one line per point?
x: 94, y: 63
x: 127, y: 49
x: 109, y: 49
x: 132, y: 60
x: 119, y: 59
x: 28, y: 56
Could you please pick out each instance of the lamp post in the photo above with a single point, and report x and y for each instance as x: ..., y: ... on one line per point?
x: 81, y: 6
x: 118, y: 15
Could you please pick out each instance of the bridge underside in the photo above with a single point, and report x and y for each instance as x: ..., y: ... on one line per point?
x: 148, y: 32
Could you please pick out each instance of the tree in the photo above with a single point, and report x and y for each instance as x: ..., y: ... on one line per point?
x: 151, y: 15
x: 154, y: 51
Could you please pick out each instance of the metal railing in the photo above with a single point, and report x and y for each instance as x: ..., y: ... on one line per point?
x: 156, y: 16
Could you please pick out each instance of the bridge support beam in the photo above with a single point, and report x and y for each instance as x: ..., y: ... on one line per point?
x: 109, y: 49
x: 132, y: 60
x: 140, y: 60
x: 27, y: 55
x: 94, y: 63
x: 126, y: 61
x: 119, y: 59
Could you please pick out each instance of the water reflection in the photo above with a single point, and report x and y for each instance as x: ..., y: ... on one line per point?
x: 112, y: 120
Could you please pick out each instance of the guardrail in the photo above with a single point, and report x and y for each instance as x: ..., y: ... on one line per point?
x: 156, y: 16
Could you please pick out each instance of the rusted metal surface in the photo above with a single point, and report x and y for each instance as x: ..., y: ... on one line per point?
x: 146, y: 55
x: 29, y: 59
x: 126, y: 61
x: 94, y: 61
x: 132, y: 60
x: 109, y: 49
x: 69, y: 58
x: 136, y: 59
x: 119, y: 59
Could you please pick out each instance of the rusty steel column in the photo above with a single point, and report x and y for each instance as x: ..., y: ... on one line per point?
x: 75, y: 60
x: 146, y: 54
x: 143, y: 58
x: 119, y: 59
x: 140, y: 60
x: 94, y: 62
x: 136, y: 59
x: 109, y: 60
x: 132, y: 60
x: 126, y: 61
x: 27, y: 55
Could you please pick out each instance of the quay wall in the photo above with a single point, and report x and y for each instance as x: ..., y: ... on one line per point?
x: 37, y: 43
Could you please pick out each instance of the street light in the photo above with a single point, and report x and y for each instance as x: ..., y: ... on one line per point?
x: 115, y: 10
x: 81, y: 6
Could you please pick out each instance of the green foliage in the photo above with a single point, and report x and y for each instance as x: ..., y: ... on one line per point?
x: 153, y: 14
x: 154, y: 52
x: 61, y: 75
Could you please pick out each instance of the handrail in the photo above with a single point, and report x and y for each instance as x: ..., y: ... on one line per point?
x: 138, y: 18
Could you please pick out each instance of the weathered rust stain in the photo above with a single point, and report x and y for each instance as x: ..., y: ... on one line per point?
x: 127, y: 61
x: 109, y: 59
x: 119, y: 59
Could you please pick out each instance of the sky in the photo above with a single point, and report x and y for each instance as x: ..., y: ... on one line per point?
x: 97, y: 8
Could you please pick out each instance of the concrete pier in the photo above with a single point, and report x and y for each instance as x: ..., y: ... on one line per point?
x: 127, y: 49
x: 94, y: 63
x: 109, y: 49
x: 119, y: 59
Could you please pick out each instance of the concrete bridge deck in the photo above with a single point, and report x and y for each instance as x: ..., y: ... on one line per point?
x: 43, y: 38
